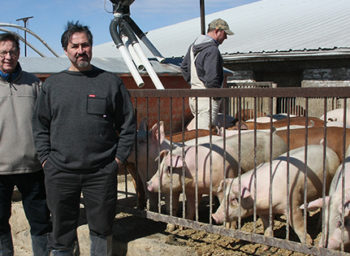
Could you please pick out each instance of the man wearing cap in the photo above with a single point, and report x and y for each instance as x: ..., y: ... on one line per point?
x: 202, y: 68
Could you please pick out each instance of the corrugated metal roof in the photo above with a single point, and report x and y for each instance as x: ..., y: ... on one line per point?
x: 49, y: 65
x: 266, y: 26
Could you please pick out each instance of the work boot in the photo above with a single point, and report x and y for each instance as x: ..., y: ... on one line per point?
x: 6, y: 245
x: 39, y: 245
x: 101, y: 245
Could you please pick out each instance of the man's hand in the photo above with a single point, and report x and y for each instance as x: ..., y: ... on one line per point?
x: 120, y: 164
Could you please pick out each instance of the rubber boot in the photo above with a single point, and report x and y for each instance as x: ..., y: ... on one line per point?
x: 6, y: 245
x: 39, y: 245
x: 101, y: 245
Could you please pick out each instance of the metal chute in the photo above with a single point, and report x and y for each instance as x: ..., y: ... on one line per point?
x: 124, y: 32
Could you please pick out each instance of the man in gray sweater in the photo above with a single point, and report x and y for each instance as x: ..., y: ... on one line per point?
x: 19, y: 164
x: 84, y: 129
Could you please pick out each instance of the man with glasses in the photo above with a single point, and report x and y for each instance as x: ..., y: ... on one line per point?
x: 19, y: 165
x: 202, y: 68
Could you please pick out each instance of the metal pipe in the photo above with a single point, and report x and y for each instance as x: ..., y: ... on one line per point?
x: 23, y: 40
x: 124, y: 52
x: 32, y: 33
x: 130, y: 34
x: 202, y: 10
x: 144, y: 38
x: 133, y: 53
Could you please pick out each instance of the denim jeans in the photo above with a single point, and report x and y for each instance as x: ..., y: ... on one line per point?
x: 31, y: 186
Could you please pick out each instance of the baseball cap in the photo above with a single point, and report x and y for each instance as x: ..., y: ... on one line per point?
x: 220, y: 24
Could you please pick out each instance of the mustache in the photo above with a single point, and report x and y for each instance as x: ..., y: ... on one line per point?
x: 81, y: 55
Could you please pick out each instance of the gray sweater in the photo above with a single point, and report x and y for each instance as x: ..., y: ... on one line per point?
x: 17, y: 99
x: 83, y: 120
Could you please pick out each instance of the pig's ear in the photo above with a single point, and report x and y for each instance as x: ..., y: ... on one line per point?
x: 243, y: 126
x: 245, y: 192
x: 228, y: 183
x: 158, y: 135
x: 162, y: 154
x: 315, y: 204
x: 221, y: 186
x: 177, y: 161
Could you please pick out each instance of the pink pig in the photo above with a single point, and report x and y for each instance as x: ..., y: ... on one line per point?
x: 334, y: 208
x: 279, y: 188
x: 162, y: 179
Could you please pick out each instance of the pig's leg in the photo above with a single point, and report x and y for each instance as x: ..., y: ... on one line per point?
x: 137, y: 181
x: 153, y: 201
x: 191, y: 205
x: 229, y: 224
x: 175, y: 203
x: 298, y: 226
x: 268, y: 230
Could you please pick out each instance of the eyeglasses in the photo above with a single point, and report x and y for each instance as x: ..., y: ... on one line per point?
x: 13, y: 54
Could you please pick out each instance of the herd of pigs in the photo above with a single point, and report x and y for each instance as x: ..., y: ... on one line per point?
x: 195, y: 161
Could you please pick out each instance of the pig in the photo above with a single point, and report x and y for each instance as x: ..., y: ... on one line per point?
x: 337, y: 116
x: 162, y: 178
x: 334, y: 207
x: 222, y: 121
x: 335, y: 138
x: 148, y: 141
x: 300, y: 121
x: 279, y: 188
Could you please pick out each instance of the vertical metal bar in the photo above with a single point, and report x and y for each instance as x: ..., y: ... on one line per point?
x: 306, y: 171
x: 171, y: 154
x: 255, y: 165
x: 211, y: 166
x: 324, y: 173
x: 158, y: 150
x: 271, y: 177
x: 343, y: 179
x: 239, y: 164
x: 138, y: 185
x: 183, y: 157
x: 196, y: 159
x: 202, y: 11
x: 147, y: 149
x: 288, y: 172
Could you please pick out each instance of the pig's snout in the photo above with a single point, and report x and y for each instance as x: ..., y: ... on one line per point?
x: 218, y: 217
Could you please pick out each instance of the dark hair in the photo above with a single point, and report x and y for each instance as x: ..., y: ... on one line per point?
x: 9, y: 36
x: 72, y: 28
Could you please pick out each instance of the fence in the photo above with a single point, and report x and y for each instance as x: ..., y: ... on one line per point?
x: 172, y: 106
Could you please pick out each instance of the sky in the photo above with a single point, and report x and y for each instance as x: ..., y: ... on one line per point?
x: 51, y: 16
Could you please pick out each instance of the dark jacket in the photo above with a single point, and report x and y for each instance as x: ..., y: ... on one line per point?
x: 83, y: 120
x: 209, y: 62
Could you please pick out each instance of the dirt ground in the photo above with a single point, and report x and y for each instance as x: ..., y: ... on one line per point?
x: 128, y: 228
x: 207, y: 244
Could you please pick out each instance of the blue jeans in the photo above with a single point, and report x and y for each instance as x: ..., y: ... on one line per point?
x: 31, y: 186
x: 63, y: 192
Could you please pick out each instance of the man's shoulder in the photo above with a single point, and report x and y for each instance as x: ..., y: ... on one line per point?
x: 107, y: 75
x: 27, y: 78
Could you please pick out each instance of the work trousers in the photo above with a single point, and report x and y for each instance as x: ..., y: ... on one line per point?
x: 203, y: 111
x: 64, y: 190
x: 32, y: 189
